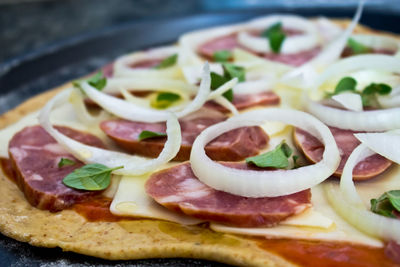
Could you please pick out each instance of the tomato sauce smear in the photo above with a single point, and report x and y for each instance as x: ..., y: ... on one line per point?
x: 327, y: 254
x: 97, y: 209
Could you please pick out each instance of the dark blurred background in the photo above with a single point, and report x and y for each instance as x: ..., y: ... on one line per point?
x: 27, y: 25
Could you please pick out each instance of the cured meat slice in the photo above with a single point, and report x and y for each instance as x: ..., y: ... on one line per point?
x: 178, y: 189
x: 243, y: 101
x: 232, y: 146
x: 229, y: 42
x: 346, y: 142
x: 108, y: 70
x: 35, y: 156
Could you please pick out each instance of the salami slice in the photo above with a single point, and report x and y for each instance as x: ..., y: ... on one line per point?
x: 35, y: 156
x: 229, y: 42
x: 178, y: 189
x: 244, y: 101
x: 231, y: 146
x: 346, y: 142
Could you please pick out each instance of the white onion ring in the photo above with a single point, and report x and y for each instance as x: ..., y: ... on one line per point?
x: 77, y: 100
x: 129, y: 111
x: 133, y: 165
x: 386, y: 144
x: 359, y: 62
x: 349, y: 101
x: 378, y: 41
x: 291, y: 44
x: 305, y: 75
x: 392, y: 100
x: 373, y: 120
x: 348, y: 204
x: 251, y: 183
x: 122, y: 65
x: 253, y: 87
x: 114, y: 85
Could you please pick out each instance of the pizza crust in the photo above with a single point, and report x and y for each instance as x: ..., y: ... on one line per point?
x: 135, y: 239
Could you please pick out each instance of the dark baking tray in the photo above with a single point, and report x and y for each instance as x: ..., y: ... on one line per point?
x: 24, y: 77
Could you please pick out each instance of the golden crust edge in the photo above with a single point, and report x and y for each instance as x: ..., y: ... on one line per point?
x: 13, y: 224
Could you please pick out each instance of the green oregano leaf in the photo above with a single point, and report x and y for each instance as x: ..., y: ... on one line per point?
x: 65, y: 162
x: 149, y: 134
x: 387, y: 204
x: 165, y: 99
x: 231, y: 71
x: 98, y: 81
x: 275, y: 36
x: 345, y: 84
x: 277, y: 158
x: 92, y: 177
x: 357, y: 47
x: 167, y: 62
x: 222, y: 56
x: 218, y: 80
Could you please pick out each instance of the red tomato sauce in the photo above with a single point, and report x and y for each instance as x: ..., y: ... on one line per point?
x: 327, y: 254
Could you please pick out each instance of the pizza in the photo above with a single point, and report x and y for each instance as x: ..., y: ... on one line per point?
x: 271, y: 142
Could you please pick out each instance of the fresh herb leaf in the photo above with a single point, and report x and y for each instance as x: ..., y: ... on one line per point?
x: 218, y: 80
x: 345, y: 84
x: 98, y: 81
x: 231, y: 71
x: 276, y: 36
x: 277, y: 158
x: 167, y: 62
x: 369, y: 94
x: 222, y: 56
x: 149, y: 134
x: 295, y: 163
x: 65, y: 162
x: 387, y: 204
x: 91, y: 177
x: 357, y: 47
x: 377, y: 88
x: 164, y: 100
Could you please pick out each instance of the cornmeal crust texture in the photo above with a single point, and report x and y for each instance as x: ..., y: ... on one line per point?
x: 123, y: 240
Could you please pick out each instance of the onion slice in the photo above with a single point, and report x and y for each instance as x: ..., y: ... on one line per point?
x: 133, y: 165
x: 251, y: 183
x: 373, y: 120
x: 129, y: 111
x: 386, y: 144
x: 348, y: 204
x: 349, y: 101
x: 77, y: 100
x: 122, y: 65
x: 307, y: 72
x: 114, y: 85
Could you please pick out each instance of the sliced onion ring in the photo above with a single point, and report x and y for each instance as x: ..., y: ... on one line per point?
x: 372, y: 120
x: 386, y: 144
x: 348, y: 204
x: 307, y: 72
x: 77, y: 100
x: 129, y: 111
x: 133, y: 165
x: 251, y: 183
x: 122, y: 65
x: 291, y: 45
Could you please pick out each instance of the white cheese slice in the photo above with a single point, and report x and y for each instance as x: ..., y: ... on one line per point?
x: 131, y: 200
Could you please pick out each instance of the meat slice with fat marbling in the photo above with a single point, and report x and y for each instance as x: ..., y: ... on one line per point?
x: 178, y: 189
x: 35, y: 156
